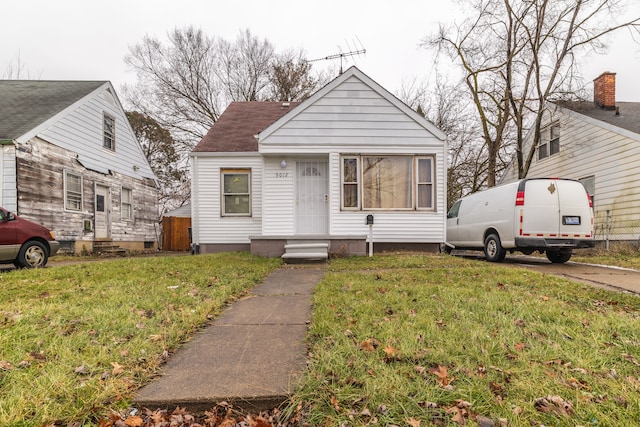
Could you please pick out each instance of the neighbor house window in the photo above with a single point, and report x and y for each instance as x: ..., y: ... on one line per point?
x: 549, y: 142
x: 236, y: 192
x: 72, y: 191
x: 109, y: 131
x: 125, y: 203
x: 387, y: 182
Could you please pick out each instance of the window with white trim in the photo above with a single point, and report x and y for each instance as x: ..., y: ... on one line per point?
x: 72, y: 191
x: 350, y: 187
x: 126, y: 205
x: 236, y: 192
x: 549, y: 141
x: 387, y: 182
x: 109, y: 132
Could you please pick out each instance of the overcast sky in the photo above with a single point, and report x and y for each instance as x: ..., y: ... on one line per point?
x: 87, y: 40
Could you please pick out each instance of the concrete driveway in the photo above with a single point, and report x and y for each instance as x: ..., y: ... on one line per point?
x: 614, y: 278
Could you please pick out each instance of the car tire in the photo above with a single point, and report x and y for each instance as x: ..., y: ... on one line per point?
x: 33, y: 254
x: 493, y: 250
x: 558, y: 257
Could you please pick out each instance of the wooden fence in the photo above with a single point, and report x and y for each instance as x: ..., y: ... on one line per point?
x: 175, y: 233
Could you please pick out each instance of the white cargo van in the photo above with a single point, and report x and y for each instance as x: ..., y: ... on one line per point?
x: 539, y: 214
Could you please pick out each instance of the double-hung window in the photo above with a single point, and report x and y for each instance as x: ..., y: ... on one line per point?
x: 387, y: 182
x: 236, y: 192
x: 109, y: 132
x: 549, y: 141
x: 126, y: 205
x: 72, y: 191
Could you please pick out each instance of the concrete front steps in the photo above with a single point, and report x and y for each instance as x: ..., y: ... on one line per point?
x: 107, y: 247
x: 302, y: 251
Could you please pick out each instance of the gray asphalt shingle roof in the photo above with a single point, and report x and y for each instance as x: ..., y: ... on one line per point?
x: 25, y: 104
x: 629, y: 117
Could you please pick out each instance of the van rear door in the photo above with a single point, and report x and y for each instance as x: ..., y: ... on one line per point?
x: 555, y: 208
x: 575, y: 210
x: 539, y: 215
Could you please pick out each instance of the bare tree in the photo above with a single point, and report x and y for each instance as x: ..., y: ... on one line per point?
x: 244, y: 67
x: 516, y: 55
x: 290, y: 77
x: 177, y: 84
x: 161, y: 152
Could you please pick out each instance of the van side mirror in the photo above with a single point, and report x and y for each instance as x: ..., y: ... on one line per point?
x: 11, y: 217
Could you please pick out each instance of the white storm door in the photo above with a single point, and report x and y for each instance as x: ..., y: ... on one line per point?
x: 312, y: 197
x: 102, y: 212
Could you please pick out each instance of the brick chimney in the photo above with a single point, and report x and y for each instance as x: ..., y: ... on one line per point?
x: 604, y: 91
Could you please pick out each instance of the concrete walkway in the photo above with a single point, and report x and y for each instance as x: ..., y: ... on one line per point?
x: 250, y: 356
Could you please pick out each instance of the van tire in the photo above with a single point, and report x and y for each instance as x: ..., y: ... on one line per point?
x: 493, y: 250
x: 558, y: 257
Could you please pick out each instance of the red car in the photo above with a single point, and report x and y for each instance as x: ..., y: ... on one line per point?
x: 25, y: 243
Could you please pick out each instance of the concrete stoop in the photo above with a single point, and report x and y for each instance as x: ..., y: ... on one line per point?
x: 301, y: 250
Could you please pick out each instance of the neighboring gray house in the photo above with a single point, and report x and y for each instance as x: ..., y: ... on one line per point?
x: 280, y: 178
x: 70, y: 161
x: 597, y: 143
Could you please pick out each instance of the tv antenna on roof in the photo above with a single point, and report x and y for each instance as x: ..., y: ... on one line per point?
x: 342, y: 55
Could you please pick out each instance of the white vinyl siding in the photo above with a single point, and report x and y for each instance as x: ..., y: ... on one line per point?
x: 208, y: 225
x: 350, y: 118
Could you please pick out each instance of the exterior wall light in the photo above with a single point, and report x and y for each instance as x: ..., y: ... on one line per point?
x: 283, y: 164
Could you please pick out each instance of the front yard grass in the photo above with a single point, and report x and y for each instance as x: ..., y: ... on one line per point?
x: 406, y: 340
x: 418, y: 341
x: 77, y: 340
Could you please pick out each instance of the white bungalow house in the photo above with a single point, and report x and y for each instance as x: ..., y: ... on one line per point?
x: 280, y: 179
x: 597, y: 143
x: 70, y: 160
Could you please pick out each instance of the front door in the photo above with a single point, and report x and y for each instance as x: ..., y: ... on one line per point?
x: 102, y: 212
x: 312, y: 197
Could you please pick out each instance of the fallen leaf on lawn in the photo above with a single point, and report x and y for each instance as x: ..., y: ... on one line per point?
x: 369, y: 344
x: 117, y: 368
x: 630, y: 358
x: 390, y: 351
x: 520, y: 346
x: 5, y: 365
x: 443, y: 375
x: 519, y: 322
x: 155, y: 337
x: 553, y: 405
x: 81, y: 370
x: 413, y: 422
x: 134, y: 421
x: 334, y: 403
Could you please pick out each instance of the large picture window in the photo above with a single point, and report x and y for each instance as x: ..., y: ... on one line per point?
x: 72, y: 191
x: 387, y: 183
x: 236, y: 192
